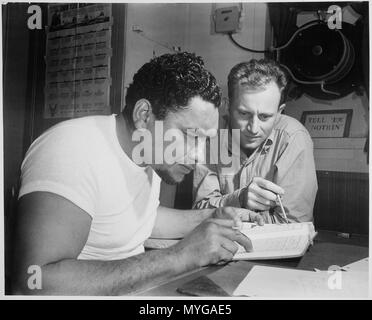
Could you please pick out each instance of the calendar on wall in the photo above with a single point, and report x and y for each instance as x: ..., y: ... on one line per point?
x: 78, y: 57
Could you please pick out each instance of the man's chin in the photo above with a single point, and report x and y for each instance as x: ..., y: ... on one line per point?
x: 251, y: 146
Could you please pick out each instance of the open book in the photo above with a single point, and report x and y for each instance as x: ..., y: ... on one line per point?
x: 276, y: 241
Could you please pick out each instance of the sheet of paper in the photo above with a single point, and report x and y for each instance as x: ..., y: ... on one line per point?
x: 360, y: 265
x: 270, y: 282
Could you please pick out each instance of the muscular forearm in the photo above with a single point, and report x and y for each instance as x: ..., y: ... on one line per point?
x: 175, y: 224
x: 119, y: 277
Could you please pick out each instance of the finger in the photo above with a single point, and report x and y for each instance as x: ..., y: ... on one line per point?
x: 256, y: 190
x: 237, y: 218
x: 218, y: 213
x: 235, y: 235
x: 265, y: 215
x: 231, y: 213
x: 253, y: 205
x: 226, y: 212
x: 225, y: 255
x: 223, y: 222
x: 229, y: 245
x: 251, y: 216
x: 244, y: 241
x: 264, y: 201
x: 268, y: 185
x: 243, y: 213
x: 258, y: 218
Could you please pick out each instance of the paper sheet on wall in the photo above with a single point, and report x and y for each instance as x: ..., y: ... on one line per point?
x: 270, y: 282
x: 78, y: 54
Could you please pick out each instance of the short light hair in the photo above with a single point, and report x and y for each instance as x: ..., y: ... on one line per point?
x: 257, y: 74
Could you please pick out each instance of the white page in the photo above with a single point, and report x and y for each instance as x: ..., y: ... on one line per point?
x: 270, y: 282
x: 360, y: 265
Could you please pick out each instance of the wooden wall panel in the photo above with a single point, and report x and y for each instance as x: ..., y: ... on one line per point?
x: 342, y: 202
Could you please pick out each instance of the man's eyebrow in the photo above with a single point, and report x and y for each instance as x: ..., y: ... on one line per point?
x: 242, y: 109
x: 198, y: 131
x: 266, y: 114
x: 189, y: 130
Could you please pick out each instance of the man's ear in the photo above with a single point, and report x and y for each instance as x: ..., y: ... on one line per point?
x: 142, y: 113
x: 281, y: 108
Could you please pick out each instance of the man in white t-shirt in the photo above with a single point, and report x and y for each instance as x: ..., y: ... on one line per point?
x: 90, y: 189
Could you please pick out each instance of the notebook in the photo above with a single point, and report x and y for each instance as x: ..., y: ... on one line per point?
x: 276, y: 241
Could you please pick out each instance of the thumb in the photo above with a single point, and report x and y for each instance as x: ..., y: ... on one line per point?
x: 245, y: 242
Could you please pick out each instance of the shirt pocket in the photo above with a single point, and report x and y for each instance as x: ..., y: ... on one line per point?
x: 226, y: 183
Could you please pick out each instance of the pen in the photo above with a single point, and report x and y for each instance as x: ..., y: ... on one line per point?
x: 282, y: 208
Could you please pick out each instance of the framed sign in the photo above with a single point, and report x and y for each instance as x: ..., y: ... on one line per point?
x: 327, y: 123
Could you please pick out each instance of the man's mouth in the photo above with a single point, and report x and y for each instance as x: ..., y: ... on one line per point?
x: 186, y: 168
x: 249, y: 137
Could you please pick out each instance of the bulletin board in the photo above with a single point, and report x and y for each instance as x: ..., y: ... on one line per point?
x: 78, y: 60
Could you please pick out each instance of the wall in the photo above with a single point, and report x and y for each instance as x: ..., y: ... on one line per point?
x: 219, y: 53
x: 162, y: 23
x: 189, y: 26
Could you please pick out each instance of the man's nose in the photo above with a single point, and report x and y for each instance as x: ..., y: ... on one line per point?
x: 197, y: 154
x: 253, y: 125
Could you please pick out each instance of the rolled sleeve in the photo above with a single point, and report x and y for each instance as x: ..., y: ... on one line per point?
x: 207, y: 189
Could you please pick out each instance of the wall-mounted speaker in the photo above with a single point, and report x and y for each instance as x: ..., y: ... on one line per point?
x: 324, y: 62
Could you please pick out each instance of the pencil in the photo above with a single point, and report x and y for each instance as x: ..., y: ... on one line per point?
x: 282, y: 208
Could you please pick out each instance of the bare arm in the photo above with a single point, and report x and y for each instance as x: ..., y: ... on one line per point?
x: 175, y: 224
x: 51, y: 232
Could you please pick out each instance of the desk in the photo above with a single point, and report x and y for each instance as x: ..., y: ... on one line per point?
x: 328, y: 250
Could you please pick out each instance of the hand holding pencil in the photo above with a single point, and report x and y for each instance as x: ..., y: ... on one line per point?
x: 260, y: 195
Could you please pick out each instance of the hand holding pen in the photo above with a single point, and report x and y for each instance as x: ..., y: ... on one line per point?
x: 260, y: 195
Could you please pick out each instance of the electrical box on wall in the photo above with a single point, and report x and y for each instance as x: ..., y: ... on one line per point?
x: 227, y: 20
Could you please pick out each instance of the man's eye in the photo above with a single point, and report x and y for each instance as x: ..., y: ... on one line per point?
x: 191, y: 132
x: 242, y: 113
x: 264, y: 117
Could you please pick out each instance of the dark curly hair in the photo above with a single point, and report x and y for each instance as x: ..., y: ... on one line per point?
x: 169, y: 82
x: 257, y: 74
